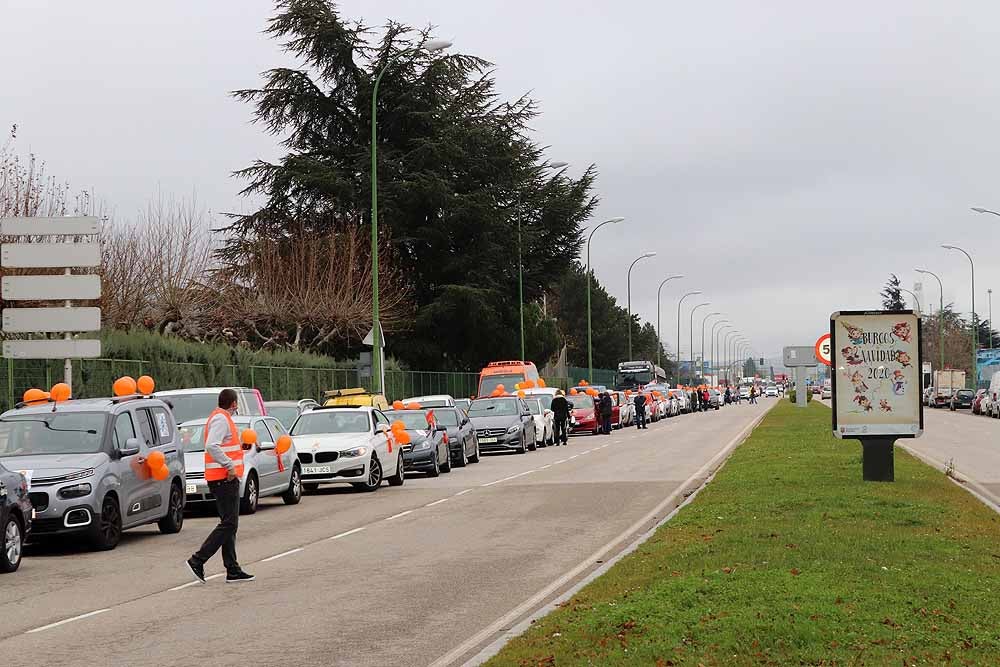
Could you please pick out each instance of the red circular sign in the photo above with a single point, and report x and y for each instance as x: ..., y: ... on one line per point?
x: 823, y: 349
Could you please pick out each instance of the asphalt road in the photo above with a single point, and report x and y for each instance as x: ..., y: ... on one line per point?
x: 403, y: 576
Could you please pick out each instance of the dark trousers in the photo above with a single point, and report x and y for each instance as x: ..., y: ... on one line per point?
x: 561, y: 433
x: 640, y: 419
x: 227, y: 504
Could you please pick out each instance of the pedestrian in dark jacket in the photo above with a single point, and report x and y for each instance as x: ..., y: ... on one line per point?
x: 640, y: 411
x: 606, y: 410
x: 560, y: 413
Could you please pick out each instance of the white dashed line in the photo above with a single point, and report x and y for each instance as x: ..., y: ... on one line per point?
x: 573, y: 457
x: 345, y: 534
x: 437, y: 502
x: 505, y: 479
x: 67, y: 620
x: 396, y: 516
x: 544, y: 467
x: 462, y: 493
x: 585, y: 452
x: 281, y: 555
x: 559, y: 461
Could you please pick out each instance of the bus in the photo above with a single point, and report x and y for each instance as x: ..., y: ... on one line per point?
x: 506, y: 373
x: 637, y: 374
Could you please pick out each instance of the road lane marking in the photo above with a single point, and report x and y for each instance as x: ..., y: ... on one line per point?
x: 437, y: 502
x: 396, y: 516
x: 281, y: 555
x: 196, y: 583
x: 544, y: 467
x: 505, y: 479
x: 462, y: 493
x: 68, y: 620
x: 345, y: 534
x: 573, y: 457
x: 559, y: 461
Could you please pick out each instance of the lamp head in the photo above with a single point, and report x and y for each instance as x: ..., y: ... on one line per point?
x: 557, y: 165
x: 649, y: 254
x: 979, y: 210
x: 616, y: 220
x: 948, y: 247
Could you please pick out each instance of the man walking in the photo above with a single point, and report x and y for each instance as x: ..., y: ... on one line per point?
x: 560, y: 414
x: 640, y: 411
x: 606, y: 409
x: 223, y: 471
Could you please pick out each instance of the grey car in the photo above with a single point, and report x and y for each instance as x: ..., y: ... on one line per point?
x: 15, y: 518
x: 427, y: 450
x: 287, y: 412
x: 85, y: 465
x: 503, y: 424
x: 462, y: 440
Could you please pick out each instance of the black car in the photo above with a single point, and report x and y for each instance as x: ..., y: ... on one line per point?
x: 15, y: 518
x: 962, y: 399
x: 427, y: 450
x: 462, y: 441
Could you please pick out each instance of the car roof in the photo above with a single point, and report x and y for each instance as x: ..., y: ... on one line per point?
x: 237, y: 419
x: 87, y: 405
x: 290, y: 404
x: 344, y: 408
x: 541, y: 391
x: 431, y: 397
x: 196, y: 390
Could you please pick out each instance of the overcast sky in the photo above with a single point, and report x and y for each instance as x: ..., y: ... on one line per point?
x: 784, y: 156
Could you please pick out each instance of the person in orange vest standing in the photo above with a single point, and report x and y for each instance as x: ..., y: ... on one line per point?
x: 223, y: 471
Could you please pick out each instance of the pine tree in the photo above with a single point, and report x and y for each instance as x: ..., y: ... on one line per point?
x: 892, y: 296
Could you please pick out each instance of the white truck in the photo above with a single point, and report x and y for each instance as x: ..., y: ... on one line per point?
x: 946, y: 383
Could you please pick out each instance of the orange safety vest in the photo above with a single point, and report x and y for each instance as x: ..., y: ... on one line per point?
x: 216, y: 472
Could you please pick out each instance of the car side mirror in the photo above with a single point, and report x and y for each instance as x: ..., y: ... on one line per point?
x: 131, y: 448
x: 382, y: 428
x: 266, y: 446
x: 441, y: 429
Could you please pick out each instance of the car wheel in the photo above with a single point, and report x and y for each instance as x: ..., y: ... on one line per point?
x: 13, y: 545
x: 108, y: 527
x: 174, y: 519
x: 435, y: 470
x: 374, y: 476
x: 310, y: 486
x: 293, y: 494
x: 446, y: 466
x: 523, y: 449
x: 474, y: 458
x: 251, y: 495
x: 400, y: 476
x: 463, y: 458
x: 532, y: 446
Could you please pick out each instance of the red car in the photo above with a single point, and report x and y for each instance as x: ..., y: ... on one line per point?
x: 584, y: 414
x: 977, y: 402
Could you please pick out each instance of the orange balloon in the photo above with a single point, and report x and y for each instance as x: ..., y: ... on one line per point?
x: 412, y: 406
x: 573, y: 392
x: 583, y: 383
x: 155, y: 460
x: 145, y: 385
x: 397, y: 405
x: 161, y: 473
x: 501, y: 388
x: 60, y: 392
x: 402, y: 437
x: 520, y: 393
x: 628, y: 392
x: 528, y: 384
x: 397, y: 425
x: 35, y: 396
x: 591, y: 392
x: 284, y: 444
x: 248, y: 436
x: 541, y: 382
x: 124, y: 386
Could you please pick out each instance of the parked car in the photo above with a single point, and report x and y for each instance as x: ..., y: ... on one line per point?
x: 962, y: 399
x: 977, y: 402
x: 504, y: 423
x: 343, y: 445
x: 826, y: 392
x: 15, y: 518
x: 771, y: 391
x: 682, y: 399
x: 544, y: 421
x: 84, y: 463
x: 926, y: 396
x: 435, y: 401
x: 355, y: 397
x: 584, y: 414
x: 427, y: 450
x: 714, y: 399
x: 463, y: 404
x: 745, y: 392
x: 262, y: 475
x: 198, y: 402
x: 287, y: 412
x: 626, y: 409
x: 462, y: 439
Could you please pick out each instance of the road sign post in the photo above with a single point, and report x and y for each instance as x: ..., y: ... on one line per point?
x: 875, y: 373
x: 801, y: 358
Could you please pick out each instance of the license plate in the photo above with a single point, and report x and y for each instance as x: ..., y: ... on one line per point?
x: 316, y: 470
x: 487, y: 440
x: 191, y: 488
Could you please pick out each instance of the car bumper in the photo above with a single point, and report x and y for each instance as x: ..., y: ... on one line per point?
x: 69, y: 520
x: 418, y: 460
x: 341, y: 471
x: 504, y: 443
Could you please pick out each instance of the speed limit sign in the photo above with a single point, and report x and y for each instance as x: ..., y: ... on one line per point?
x: 823, y: 349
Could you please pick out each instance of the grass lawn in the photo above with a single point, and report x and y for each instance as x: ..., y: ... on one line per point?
x: 788, y: 558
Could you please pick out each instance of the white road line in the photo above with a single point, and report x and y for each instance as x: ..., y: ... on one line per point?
x: 559, y: 461
x: 281, y: 555
x: 67, y: 620
x: 437, y: 502
x: 544, y: 467
x: 586, y: 452
x: 396, y: 516
x: 345, y: 534
x: 196, y: 583
x: 505, y: 479
x: 462, y: 493
x: 573, y: 457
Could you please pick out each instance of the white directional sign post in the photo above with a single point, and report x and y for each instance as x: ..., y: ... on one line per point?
x: 800, y: 357
x: 70, y: 243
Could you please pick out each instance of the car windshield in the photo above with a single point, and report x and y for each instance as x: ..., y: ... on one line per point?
x: 285, y: 414
x: 463, y: 404
x: 446, y: 417
x: 494, y: 407
x: 193, y: 438
x: 491, y: 382
x: 534, y: 407
x: 188, y: 407
x: 432, y: 403
x: 413, y: 420
x: 52, y: 433
x: 581, y: 401
x: 965, y: 393
x: 332, y: 421
x: 636, y: 376
x: 546, y: 400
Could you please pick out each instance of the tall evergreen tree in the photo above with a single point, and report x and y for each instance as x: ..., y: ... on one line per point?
x: 892, y: 296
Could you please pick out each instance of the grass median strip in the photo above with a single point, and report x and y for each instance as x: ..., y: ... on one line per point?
x: 787, y: 557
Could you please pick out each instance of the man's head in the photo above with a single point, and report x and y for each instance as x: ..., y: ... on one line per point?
x: 227, y: 400
x: 560, y: 392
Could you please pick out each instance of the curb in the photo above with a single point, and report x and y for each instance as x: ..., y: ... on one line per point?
x: 980, y: 492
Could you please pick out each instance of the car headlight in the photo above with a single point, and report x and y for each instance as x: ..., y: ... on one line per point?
x: 75, y: 491
x: 354, y: 453
x: 514, y: 429
x: 424, y: 444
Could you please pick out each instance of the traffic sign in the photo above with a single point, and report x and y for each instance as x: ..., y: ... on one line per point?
x: 56, y: 226
x: 53, y: 348
x: 50, y: 255
x: 51, y: 288
x: 51, y: 320
x: 823, y: 349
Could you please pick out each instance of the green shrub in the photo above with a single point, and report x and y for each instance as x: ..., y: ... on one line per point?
x: 791, y: 395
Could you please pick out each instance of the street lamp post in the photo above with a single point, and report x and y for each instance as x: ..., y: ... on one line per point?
x: 940, y: 321
x: 590, y: 333
x: 714, y: 338
x: 628, y: 287
x: 706, y: 318
x: 916, y: 300
x: 430, y: 46
x: 989, y: 329
x: 659, y: 336
x: 520, y: 261
x: 679, y: 302
x: 975, y: 323
x: 726, y: 344
x: 691, y: 337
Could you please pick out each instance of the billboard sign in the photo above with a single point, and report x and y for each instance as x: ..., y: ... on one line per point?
x: 876, y: 374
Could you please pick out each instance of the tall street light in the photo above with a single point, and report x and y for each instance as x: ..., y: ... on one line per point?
x: 590, y: 333
x: 726, y: 353
x: 520, y: 262
x: 984, y: 210
x: 679, y: 303
x: 645, y: 255
x: 659, y: 336
x: 916, y: 299
x: 691, y: 336
x: 717, y: 344
x: 975, y: 324
x: 706, y: 318
x: 940, y: 320
x: 430, y: 46
x: 714, y: 363
x: 989, y: 298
